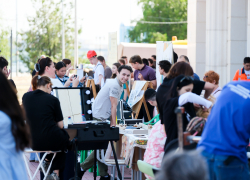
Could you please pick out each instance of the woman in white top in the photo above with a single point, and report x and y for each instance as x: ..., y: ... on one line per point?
x: 213, y: 78
x: 46, y: 67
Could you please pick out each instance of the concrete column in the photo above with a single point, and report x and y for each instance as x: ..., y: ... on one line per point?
x: 216, y: 39
x: 196, y: 34
x: 237, y: 36
x: 248, y: 30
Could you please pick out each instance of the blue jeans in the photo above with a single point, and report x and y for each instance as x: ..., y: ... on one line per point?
x: 235, y: 170
x: 33, y: 156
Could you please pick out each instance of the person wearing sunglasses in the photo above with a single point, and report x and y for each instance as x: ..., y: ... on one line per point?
x: 213, y: 78
x: 180, y: 68
x: 180, y: 95
x: 45, y: 119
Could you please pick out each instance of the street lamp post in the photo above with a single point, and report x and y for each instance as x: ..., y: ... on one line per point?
x: 17, y: 65
x: 63, y: 40
x: 76, y: 37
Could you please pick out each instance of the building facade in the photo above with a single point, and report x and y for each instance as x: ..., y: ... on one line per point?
x: 218, y: 36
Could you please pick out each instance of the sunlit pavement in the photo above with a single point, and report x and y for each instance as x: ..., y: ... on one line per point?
x: 87, y: 176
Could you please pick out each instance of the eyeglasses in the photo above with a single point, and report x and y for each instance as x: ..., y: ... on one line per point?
x: 189, y: 78
x: 205, y: 77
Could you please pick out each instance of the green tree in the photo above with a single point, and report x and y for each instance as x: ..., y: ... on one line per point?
x: 4, y: 43
x: 44, y: 35
x: 160, y: 11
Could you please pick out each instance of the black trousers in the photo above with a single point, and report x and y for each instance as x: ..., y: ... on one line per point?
x: 143, y: 114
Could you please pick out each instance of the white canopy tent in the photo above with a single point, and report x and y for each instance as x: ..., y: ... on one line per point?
x: 144, y: 50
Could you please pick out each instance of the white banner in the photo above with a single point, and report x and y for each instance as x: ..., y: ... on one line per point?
x: 164, y: 51
x: 112, y: 49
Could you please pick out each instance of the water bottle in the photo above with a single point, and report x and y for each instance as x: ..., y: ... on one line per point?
x: 83, y: 117
x: 65, y: 124
x: 70, y: 120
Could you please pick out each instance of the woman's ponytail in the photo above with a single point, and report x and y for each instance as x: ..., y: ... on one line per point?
x: 38, y: 81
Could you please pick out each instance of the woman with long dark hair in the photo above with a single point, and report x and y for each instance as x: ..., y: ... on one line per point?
x: 180, y: 68
x: 14, y: 133
x: 180, y: 94
x: 115, y: 68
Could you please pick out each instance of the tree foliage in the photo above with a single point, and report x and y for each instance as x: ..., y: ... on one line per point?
x: 4, y: 43
x: 45, y: 36
x: 160, y: 11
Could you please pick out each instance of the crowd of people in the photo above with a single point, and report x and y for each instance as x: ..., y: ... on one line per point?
x: 218, y: 115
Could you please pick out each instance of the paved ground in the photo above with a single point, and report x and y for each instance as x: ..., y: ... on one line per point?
x: 87, y: 175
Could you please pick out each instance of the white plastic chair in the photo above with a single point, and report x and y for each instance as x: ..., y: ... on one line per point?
x: 29, y: 150
x: 110, y: 162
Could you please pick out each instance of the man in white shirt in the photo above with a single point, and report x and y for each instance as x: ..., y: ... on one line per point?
x: 105, y: 106
x: 98, y: 69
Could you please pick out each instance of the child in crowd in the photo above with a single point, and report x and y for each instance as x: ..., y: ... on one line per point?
x: 60, y: 74
x: 157, y: 137
x: 69, y: 67
x: 180, y: 94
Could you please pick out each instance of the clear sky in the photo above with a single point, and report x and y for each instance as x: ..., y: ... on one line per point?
x: 99, y: 16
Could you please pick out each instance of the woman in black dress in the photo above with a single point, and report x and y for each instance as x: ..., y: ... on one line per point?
x: 44, y: 116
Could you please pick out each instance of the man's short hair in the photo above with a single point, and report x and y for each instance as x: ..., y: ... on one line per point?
x: 124, y: 57
x: 135, y: 59
x: 154, y: 56
x: 3, y: 62
x: 125, y: 67
x: 211, y: 76
x: 187, y: 165
x: 150, y: 95
x: 151, y: 61
x: 246, y: 60
x: 66, y: 61
x: 165, y: 65
x: 145, y: 61
x: 175, y: 57
x: 122, y: 61
x: 185, y: 57
x: 101, y: 58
